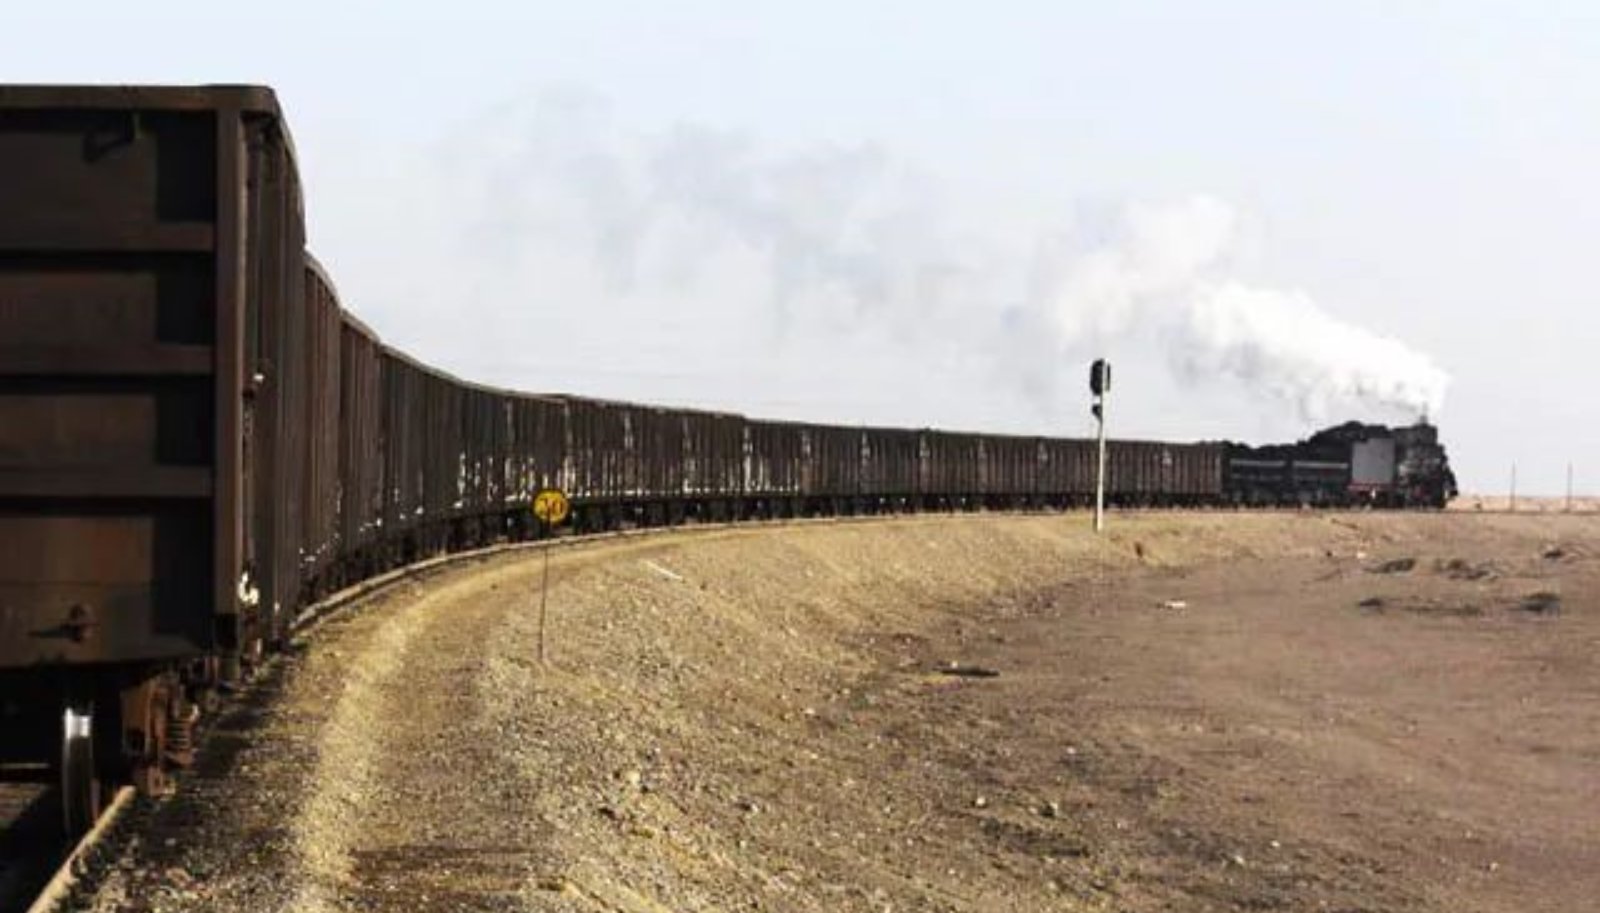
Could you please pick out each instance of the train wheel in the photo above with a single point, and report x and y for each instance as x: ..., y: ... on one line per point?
x: 80, y: 800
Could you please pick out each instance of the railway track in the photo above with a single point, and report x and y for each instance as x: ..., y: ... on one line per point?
x: 38, y: 866
x: 30, y: 844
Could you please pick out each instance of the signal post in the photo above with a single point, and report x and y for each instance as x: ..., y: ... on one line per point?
x: 1100, y: 386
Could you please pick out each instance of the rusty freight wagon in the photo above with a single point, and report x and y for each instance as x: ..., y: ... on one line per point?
x: 148, y: 240
x: 1156, y: 474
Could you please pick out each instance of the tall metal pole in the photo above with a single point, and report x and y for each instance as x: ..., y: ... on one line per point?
x: 1100, y: 386
x: 1100, y: 473
x: 1569, y: 488
x: 1513, y: 505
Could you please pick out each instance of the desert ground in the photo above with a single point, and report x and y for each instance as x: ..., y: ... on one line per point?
x: 1347, y: 712
x: 1536, y: 504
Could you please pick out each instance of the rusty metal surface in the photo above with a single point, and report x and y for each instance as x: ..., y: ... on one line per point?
x: 111, y: 223
x: 256, y: 99
x: 890, y: 462
x: 775, y: 459
x: 362, y: 475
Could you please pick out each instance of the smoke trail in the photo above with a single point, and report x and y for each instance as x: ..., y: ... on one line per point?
x: 1282, y: 343
x: 691, y: 231
x: 1166, y: 269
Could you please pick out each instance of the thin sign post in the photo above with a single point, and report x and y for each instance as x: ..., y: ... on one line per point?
x: 544, y: 595
x: 1100, y: 386
x: 550, y: 508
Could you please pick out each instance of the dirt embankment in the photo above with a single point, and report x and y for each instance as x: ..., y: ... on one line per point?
x: 992, y: 713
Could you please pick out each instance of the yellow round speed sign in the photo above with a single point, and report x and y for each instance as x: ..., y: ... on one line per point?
x: 550, y: 505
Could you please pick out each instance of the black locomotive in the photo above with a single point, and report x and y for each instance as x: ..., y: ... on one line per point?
x: 1348, y: 465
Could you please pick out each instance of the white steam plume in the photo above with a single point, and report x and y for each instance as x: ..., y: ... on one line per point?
x: 683, y: 234
x: 1166, y: 269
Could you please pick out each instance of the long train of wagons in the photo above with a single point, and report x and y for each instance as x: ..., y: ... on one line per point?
x: 197, y: 441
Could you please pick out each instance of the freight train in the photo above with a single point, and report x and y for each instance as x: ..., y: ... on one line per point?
x: 197, y: 441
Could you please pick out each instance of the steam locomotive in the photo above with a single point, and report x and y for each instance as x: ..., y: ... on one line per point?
x: 1348, y: 465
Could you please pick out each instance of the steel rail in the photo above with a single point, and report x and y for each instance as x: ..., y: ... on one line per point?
x: 67, y: 875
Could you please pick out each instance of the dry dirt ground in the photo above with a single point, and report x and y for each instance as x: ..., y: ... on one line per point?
x: 1198, y: 712
x: 1584, y: 504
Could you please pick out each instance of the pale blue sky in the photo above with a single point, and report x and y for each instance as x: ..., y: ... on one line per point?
x: 1423, y: 171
